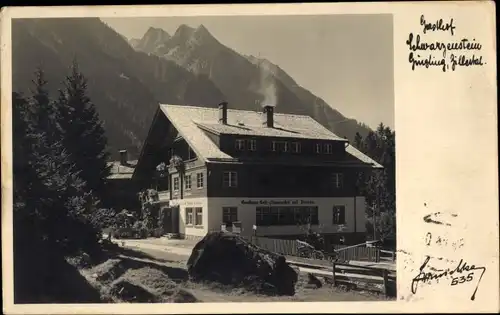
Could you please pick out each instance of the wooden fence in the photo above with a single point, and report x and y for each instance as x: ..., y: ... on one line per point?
x: 350, y: 275
x: 347, y: 253
x: 362, y: 277
x: 283, y: 247
x: 290, y: 248
x: 387, y: 255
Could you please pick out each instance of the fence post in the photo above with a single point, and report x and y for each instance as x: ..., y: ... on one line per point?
x: 334, y: 283
x: 386, y: 281
x: 377, y: 255
x: 393, y: 256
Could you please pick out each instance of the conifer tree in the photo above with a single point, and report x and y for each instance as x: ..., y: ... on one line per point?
x: 378, y: 186
x: 358, y: 141
x: 42, y: 110
x: 52, y: 203
x: 83, y: 134
x: 20, y: 150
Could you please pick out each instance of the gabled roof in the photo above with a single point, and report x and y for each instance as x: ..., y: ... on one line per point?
x: 192, y: 123
x: 243, y: 129
x: 119, y: 171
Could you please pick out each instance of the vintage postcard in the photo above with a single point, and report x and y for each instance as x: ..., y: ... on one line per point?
x: 245, y: 158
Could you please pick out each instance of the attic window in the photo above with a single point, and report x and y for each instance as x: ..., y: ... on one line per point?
x: 295, y: 147
x: 191, y: 154
x: 328, y: 148
x: 252, y: 145
x: 318, y: 147
x: 284, y: 146
x: 240, y: 144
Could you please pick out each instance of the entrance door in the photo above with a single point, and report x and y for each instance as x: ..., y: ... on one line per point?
x: 175, y: 219
x: 171, y: 219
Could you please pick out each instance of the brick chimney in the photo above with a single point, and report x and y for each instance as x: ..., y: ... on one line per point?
x: 123, y: 157
x: 269, y: 118
x: 223, y: 113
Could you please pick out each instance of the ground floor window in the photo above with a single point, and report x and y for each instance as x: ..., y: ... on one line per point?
x: 189, y: 216
x: 338, y: 214
x: 176, y: 183
x: 229, y: 215
x: 286, y: 215
x: 199, y: 216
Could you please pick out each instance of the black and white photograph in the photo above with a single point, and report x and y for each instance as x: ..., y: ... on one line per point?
x: 218, y: 159
x: 203, y: 159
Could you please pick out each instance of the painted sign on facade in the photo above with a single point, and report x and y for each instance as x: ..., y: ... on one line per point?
x: 278, y: 202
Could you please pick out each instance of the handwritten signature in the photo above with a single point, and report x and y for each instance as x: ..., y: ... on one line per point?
x: 437, y: 274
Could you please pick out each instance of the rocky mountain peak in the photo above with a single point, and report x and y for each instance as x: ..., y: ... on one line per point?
x: 156, y: 34
x: 184, y: 31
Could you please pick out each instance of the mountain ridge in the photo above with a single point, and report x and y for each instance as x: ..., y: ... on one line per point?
x: 203, y: 54
x: 126, y: 84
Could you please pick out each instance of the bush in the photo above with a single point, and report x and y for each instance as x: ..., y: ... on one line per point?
x: 124, y: 232
x: 137, y: 230
x: 104, y: 218
x: 158, y: 232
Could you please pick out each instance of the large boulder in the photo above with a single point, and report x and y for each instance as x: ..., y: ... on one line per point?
x: 229, y: 259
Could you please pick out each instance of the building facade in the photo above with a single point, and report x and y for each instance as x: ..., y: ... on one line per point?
x: 121, y: 189
x: 270, y: 174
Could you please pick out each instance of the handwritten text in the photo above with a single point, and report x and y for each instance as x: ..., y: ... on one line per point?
x: 462, y: 273
x: 442, y: 54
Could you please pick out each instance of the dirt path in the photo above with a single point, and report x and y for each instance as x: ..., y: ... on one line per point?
x: 185, y: 247
x: 156, y: 245
x: 172, y: 254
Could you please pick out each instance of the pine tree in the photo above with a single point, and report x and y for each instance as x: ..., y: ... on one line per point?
x: 83, y: 134
x: 51, y: 202
x: 358, y: 141
x: 43, y: 111
x: 379, y: 186
x: 20, y: 150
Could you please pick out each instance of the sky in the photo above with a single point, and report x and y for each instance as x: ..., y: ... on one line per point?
x: 345, y: 59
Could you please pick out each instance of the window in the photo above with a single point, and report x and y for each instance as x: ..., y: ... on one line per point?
x: 338, y: 215
x: 176, y: 183
x: 189, y: 216
x: 304, y: 215
x: 318, y: 148
x: 252, y: 145
x: 199, y: 180
x: 191, y: 154
x: 230, y: 179
x: 187, y: 181
x: 281, y: 146
x: 338, y: 180
x: 240, y: 144
x: 274, y: 146
x: 328, y: 148
x: 199, y: 216
x: 286, y: 215
x: 284, y: 146
x: 229, y: 215
x: 295, y: 147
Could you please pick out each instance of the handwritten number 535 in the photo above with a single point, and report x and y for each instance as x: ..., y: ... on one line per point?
x: 462, y: 279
